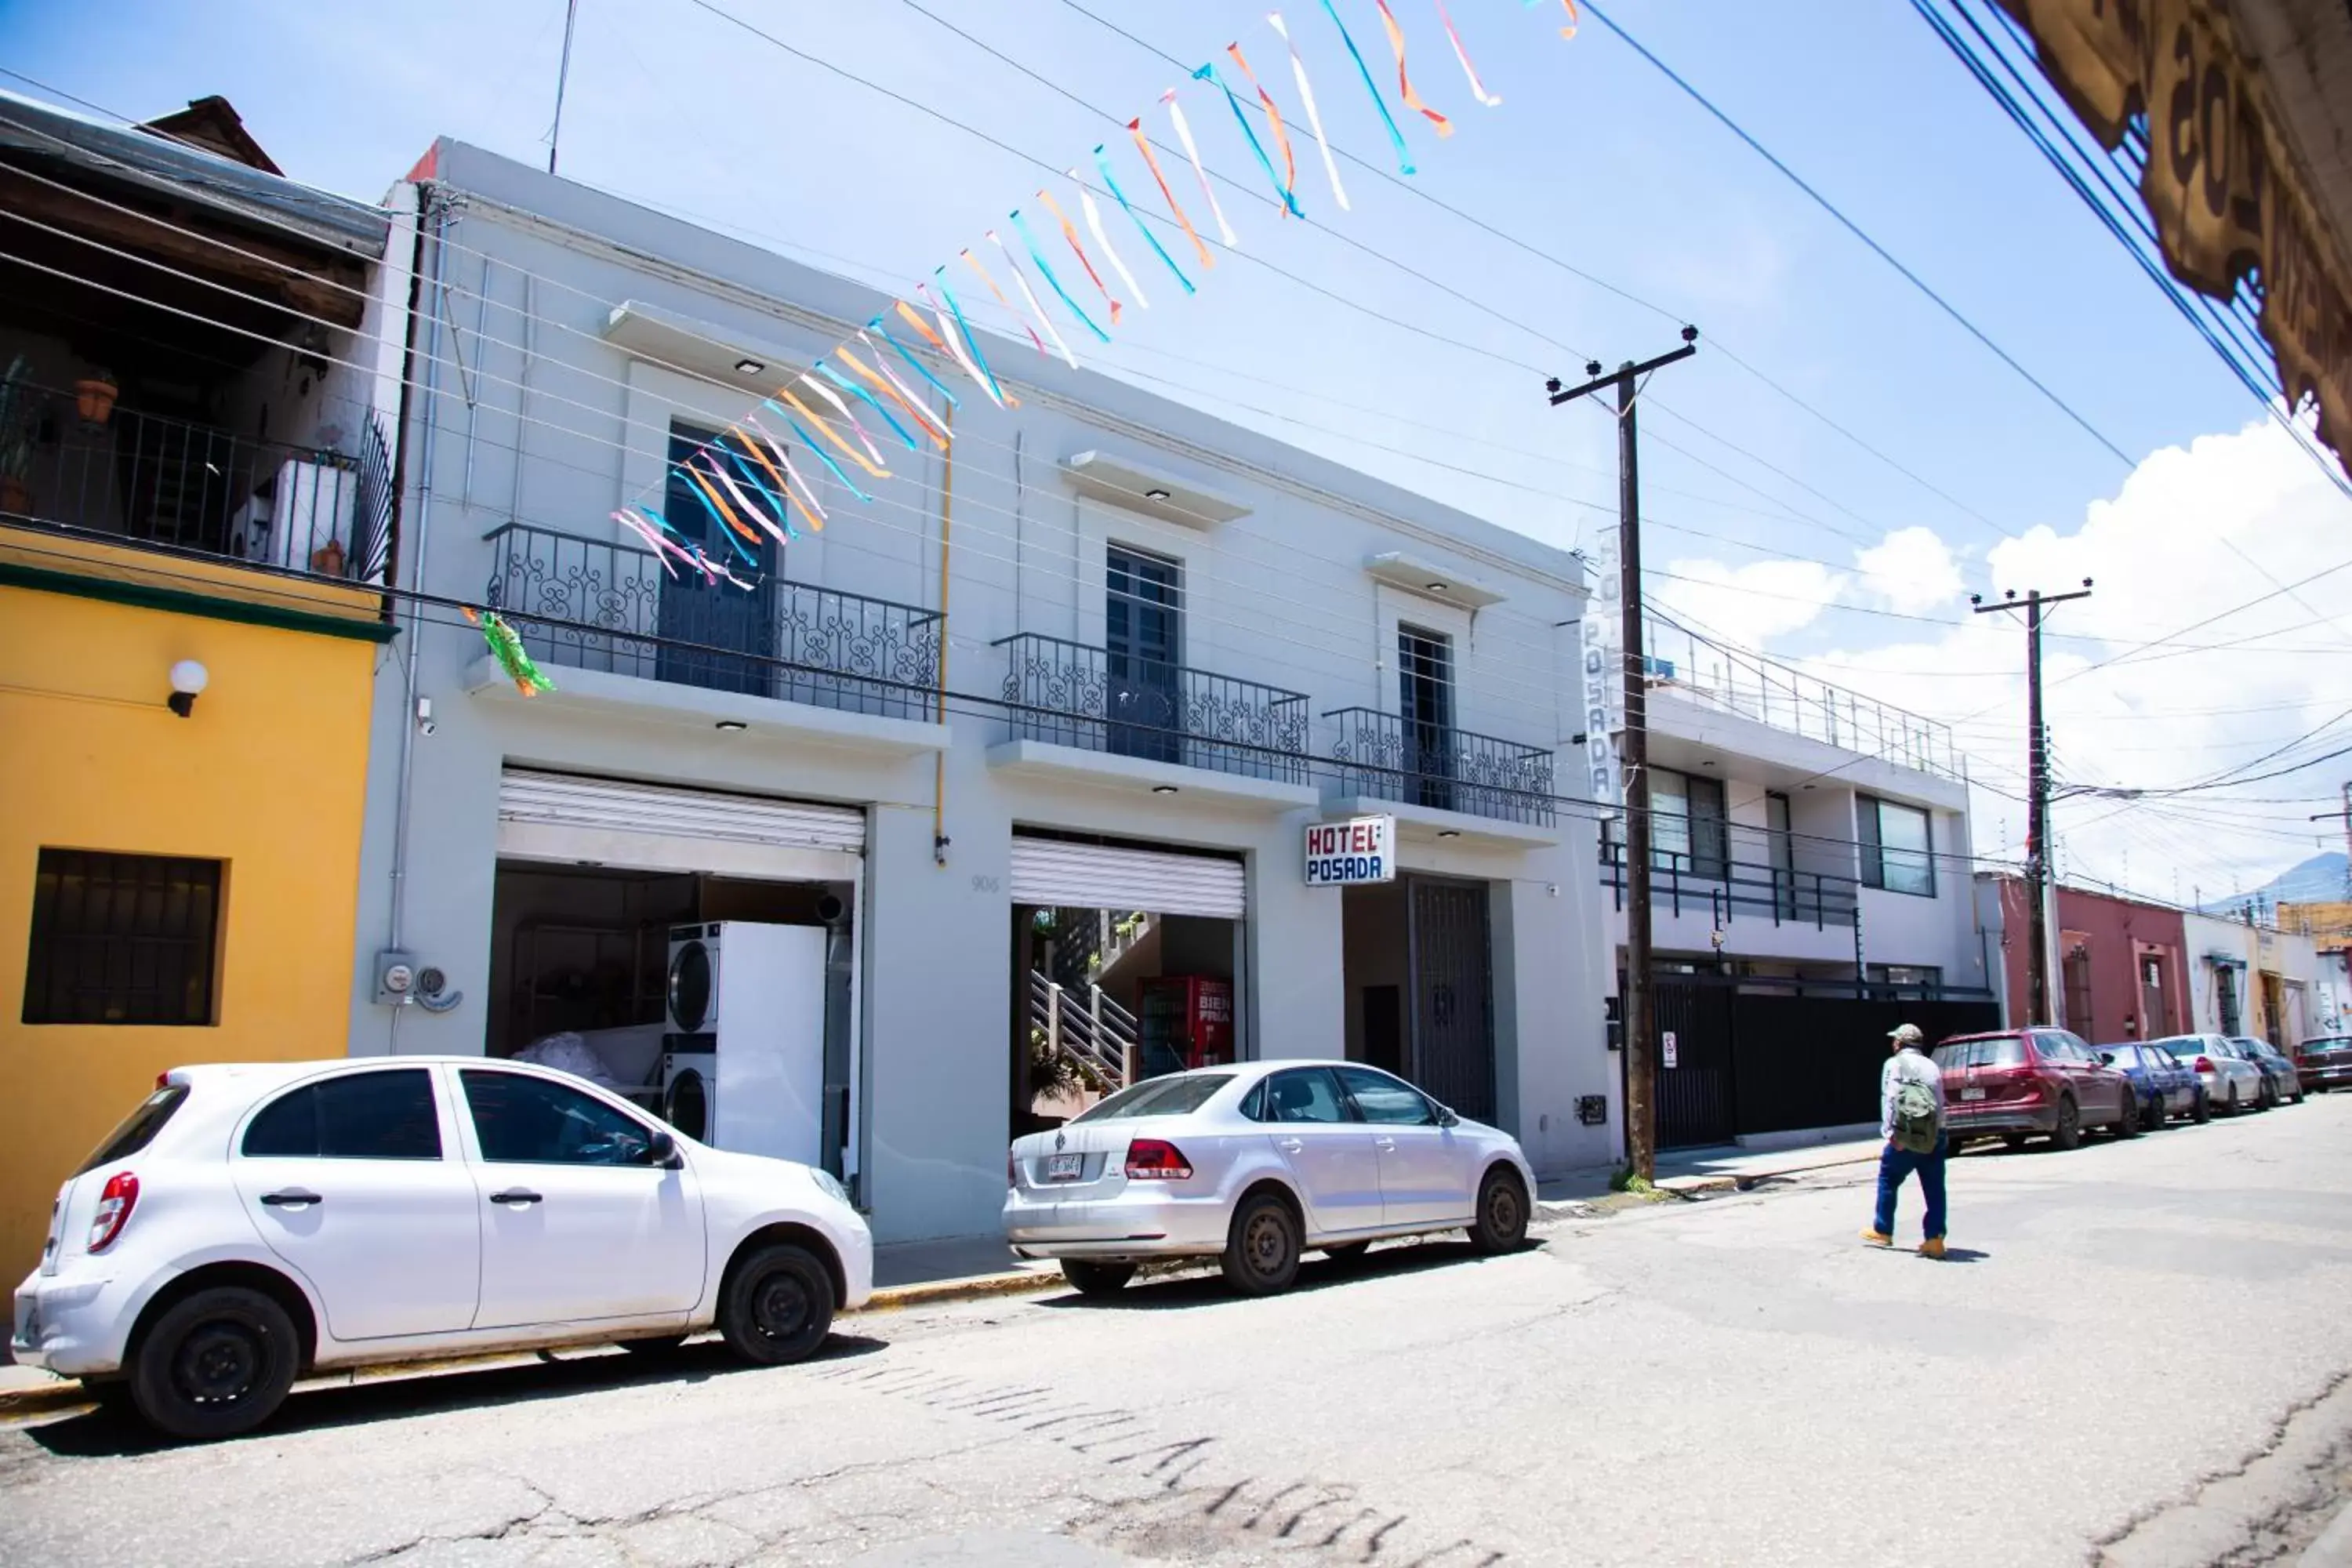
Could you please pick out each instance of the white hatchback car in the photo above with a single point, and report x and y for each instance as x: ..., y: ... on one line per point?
x: 249, y: 1224
x: 1256, y: 1163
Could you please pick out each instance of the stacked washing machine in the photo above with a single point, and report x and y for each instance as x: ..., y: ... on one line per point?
x: 743, y: 1056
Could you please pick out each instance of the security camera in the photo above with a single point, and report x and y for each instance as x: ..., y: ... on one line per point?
x: 427, y: 726
x: 424, y: 724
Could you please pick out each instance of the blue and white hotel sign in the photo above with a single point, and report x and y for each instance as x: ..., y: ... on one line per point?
x: 1353, y: 853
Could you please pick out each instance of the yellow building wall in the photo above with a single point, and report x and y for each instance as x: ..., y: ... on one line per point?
x: 268, y: 774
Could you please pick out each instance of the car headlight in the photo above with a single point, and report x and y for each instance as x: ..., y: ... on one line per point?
x: 827, y: 1184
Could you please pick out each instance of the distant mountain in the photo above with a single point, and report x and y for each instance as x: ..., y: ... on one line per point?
x: 2319, y: 879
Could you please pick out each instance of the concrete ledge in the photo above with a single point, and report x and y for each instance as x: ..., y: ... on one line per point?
x: 1427, y: 824
x: 1807, y: 1138
x: 602, y: 691
x: 1104, y: 769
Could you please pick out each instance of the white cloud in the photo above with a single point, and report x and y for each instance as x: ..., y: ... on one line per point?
x: 1914, y: 570
x: 1747, y: 605
x: 2191, y: 533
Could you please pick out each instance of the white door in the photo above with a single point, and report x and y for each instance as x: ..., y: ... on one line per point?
x: 1427, y: 1174
x: 1327, y: 1151
x: 355, y: 1180
x: 577, y: 1226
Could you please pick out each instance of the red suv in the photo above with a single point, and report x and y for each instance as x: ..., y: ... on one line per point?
x: 2021, y: 1082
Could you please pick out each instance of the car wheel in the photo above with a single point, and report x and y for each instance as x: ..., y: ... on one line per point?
x: 1501, y: 1222
x: 654, y: 1344
x: 2152, y: 1115
x: 215, y: 1364
x: 1089, y: 1278
x: 1262, y: 1248
x: 2230, y: 1107
x: 777, y: 1306
x: 1348, y: 1254
x: 2200, y: 1110
x: 2068, y: 1133
x: 2265, y: 1097
x: 2127, y: 1125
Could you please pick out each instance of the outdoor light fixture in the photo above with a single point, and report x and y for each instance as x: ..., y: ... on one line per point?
x: 749, y: 366
x: 1437, y: 587
x: 1156, y: 493
x: 188, y: 680
x: 1163, y: 789
x: 729, y: 726
x: 1449, y: 833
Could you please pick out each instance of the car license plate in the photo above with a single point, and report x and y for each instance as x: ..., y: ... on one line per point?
x: 1065, y: 1167
x: 1972, y: 1094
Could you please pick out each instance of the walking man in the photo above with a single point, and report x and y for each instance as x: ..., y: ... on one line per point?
x: 1911, y: 1119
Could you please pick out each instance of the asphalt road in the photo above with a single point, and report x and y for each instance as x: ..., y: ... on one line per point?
x: 2137, y: 1353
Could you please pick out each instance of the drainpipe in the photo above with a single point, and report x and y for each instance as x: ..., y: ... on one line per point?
x: 947, y: 532
x: 416, y: 608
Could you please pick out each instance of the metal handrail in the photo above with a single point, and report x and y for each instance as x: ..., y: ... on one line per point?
x: 1074, y: 694
x: 1096, y: 1032
x: 1388, y: 758
x: 1816, y: 899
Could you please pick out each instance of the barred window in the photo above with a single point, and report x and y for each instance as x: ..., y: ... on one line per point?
x: 122, y: 939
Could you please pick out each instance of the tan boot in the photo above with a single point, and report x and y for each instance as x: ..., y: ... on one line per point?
x: 1932, y: 1247
x: 1877, y: 1238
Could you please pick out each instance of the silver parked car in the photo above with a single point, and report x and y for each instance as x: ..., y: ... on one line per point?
x: 1256, y: 1163
x: 2232, y: 1083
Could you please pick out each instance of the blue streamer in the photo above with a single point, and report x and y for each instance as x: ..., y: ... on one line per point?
x: 822, y: 455
x: 1030, y: 240
x: 1404, y: 157
x: 970, y: 344
x: 847, y: 384
x: 953, y: 402
x: 758, y: 480
x: 718, y: 520
x: 1208, y: 73
x: 1112, y: 181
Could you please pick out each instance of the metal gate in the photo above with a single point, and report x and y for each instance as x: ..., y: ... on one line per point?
x: 1453, y: 1006
x: 1696, y: 1099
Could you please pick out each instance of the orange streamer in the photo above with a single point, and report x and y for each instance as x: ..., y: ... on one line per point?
x: 1071, y: 235
x: 1135, y: 129
x: 827, y: 431
x: 920, y: 415
x: 1273, y: 119
x: 1569, y: 31
x: 1404, y: 83
x: 708, y: 488
x: 784, y: 491
x: 922, y: 326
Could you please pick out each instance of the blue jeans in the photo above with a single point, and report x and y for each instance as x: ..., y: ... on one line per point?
x: 1894, y: 1165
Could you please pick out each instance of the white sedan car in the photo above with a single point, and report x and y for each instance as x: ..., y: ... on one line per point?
x: 1256, y: 1163
x: 250, y: 1224
x: 2232, y: 1083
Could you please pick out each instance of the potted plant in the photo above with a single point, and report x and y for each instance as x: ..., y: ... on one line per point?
x: 94, y: 398
x: 20, y: 417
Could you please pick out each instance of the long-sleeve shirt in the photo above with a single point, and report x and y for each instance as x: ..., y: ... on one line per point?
x: 1909, y: 1063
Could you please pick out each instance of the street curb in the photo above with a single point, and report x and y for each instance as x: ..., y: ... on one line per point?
x: 67, y: 1394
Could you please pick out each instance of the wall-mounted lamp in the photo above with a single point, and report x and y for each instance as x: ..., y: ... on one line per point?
x: 188, y: 680
x: 749, y: 366
x: 1156, y: 493
x: 1163, y: 789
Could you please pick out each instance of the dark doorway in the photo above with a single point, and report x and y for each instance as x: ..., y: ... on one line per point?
x: 715, y: 616
x: 1452, y: 1021
x: 1425, y: 711
x: 1143, y: 631
x: 1384, y: 1027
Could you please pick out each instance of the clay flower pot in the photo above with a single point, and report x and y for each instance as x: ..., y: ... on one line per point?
x: 94, y: 400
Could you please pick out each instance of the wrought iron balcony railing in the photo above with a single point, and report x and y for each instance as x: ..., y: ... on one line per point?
x: 590, y: 603
x: 1392, y: 758
x: 1683, y: 881
x: 1073, y: 695
x: 146, y: 478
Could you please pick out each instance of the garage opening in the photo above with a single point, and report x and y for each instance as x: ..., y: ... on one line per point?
x: 1419, y: 975
x: 1127, y: 965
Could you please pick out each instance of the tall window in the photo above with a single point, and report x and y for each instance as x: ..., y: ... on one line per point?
x: 1425, y: 711
x: 122, y: 939
x: 1897, y: 846
x: 695, y: 616
x: 1687, y: 830
x: 1782, y: 840
x: 1143, y: 643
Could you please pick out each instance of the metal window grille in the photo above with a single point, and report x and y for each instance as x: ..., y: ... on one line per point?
x: 122, y: 939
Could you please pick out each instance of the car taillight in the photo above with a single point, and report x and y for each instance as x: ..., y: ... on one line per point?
x: 2204, y: 1064
x: 1156, y: 1160
x: 114, y: 1206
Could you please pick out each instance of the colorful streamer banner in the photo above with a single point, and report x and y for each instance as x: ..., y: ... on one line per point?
x: 842, y: 409
x: 973, y: 262
x: 1477, y: 88
x: 967, y: 353
x: 1208, y: 73
x: 1095, y: 226
x: 1184, y: 134
x: 1396, y: 137
x: 1314, y: 116
x: 867, y: 398
x: 799, y: 487
x: 810, y: 442
x: 1142, y: 145
x: 1030, y: 295
x: 1281, y: 136
x: 900, y: 349
x: 851, y: 453
x: 506, y: 647
x: 1568, y: 31
x: 890, y: 386
x: 1404, y: 82
x: 781, y: 495
x: 1111, y: 183
x: 1071, y: 234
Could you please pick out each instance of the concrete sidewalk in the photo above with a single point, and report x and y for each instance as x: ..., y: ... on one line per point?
x: 1725, y: 1168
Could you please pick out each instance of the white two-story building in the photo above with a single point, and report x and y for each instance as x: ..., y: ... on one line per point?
x: 1019, y: 754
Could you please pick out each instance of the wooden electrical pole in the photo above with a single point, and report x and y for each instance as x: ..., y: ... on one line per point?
x: 1641, y: 1099
x: 2038, y: 995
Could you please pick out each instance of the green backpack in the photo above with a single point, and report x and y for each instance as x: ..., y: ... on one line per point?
x: 1917, y: 1126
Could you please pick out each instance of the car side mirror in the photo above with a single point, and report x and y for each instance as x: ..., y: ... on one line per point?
x: 2107, y: 1058
x: 662, y: 1150
x: 1446, y: 1117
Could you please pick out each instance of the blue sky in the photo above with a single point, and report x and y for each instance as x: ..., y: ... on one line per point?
x: 1593, y: 156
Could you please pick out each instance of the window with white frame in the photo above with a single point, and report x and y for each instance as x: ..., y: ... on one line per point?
x: 1898, y: 850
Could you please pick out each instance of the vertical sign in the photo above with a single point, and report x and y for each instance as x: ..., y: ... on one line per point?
x: 1604, y: 671
x: 1673, y: 1057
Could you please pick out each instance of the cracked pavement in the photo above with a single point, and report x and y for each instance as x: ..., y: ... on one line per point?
x: 2138, y: 1356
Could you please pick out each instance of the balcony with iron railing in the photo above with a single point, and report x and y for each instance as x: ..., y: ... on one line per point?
x: 1066, y: 693
x: 597, y: 605
x: 1682, y: 664
x: 148, y: 479
x: 1386, y: 757
x: 1731, y: 874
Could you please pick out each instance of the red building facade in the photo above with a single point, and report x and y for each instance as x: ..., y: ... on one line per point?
x: 2121, y: 965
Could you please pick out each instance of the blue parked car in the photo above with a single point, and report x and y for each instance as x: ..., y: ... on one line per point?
x: 2163, y: 1086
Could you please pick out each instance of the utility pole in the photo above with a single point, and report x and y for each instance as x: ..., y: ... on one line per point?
x: 1641, y: 1099
x: 2346, y: 815
x: 2040, y: 960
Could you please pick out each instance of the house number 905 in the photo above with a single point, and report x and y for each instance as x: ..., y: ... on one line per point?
x: 984, y: 884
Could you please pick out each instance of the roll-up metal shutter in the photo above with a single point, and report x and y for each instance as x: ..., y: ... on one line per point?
x: 567, y: 800
x: 1062, y: 875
